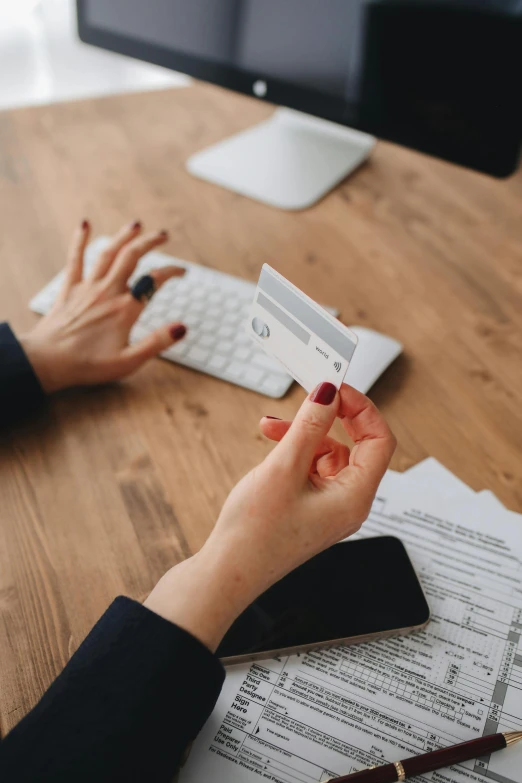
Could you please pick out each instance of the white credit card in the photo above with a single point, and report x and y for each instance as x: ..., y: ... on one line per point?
x: 311, y: 344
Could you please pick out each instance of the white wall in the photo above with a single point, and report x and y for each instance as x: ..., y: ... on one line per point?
x: 42, y: 61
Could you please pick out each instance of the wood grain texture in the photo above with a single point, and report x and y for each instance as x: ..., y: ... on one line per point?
x: 110, y: 487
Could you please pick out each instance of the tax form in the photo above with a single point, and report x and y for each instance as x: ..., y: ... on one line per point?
x: 306, y: 718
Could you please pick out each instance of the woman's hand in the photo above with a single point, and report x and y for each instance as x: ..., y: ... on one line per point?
x: 309, y: 493
x: 84, y: 338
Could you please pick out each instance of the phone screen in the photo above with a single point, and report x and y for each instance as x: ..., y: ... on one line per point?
x: 355, y: 588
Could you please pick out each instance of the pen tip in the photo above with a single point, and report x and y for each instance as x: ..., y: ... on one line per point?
x: 512, y: 736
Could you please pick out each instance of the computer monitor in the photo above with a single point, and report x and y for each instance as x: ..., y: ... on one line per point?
x: 441, y: 76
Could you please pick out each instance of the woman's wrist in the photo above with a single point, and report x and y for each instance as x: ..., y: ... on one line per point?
x: 202, y: 595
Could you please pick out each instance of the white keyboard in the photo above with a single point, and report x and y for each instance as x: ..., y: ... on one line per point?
x: 214, y: 306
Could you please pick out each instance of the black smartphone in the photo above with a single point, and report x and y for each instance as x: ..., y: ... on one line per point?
x: 353, y: 592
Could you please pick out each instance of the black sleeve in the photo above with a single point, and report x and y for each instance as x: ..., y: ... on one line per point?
x: 20, y: 390
x: 132, y: 697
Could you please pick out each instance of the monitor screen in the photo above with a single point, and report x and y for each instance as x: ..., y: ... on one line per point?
x: 441, y: 76
x: 311, y: 44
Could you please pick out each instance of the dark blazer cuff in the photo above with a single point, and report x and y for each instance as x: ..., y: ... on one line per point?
x: 167, y: 666
x: 136, y: 634
x: 134, y: 695
x: 20, y: 389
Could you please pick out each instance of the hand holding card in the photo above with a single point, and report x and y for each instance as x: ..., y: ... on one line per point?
x: 311, y: 344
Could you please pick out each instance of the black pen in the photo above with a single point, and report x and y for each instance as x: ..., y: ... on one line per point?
x: 427, y: 762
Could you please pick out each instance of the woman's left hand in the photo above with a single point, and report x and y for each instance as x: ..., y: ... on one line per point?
x: 310, y: 492
x: 84, y: 339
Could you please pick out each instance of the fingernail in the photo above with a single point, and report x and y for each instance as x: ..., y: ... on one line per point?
x: 324, y: 394
x: 85, y: 224
x: 177, y: 332
x: 275, y: 418
x: 164, y: 233
x: 136, y: 225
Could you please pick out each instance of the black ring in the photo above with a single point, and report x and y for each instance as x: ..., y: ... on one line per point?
x: 144, y: 289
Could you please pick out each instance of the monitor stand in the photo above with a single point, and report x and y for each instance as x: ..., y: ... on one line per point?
x: 289, y: 161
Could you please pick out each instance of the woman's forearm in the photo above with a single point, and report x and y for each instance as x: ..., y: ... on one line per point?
x: 132, y: 697
x: 204, y: 594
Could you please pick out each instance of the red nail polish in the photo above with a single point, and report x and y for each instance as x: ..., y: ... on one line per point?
x: 178, y: 331
x: 85, y: 224
x: 275, y: 418
x: 136, y: 225
x: 324, y: 394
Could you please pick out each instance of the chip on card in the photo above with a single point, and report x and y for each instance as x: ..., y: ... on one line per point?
x: 311, y: 344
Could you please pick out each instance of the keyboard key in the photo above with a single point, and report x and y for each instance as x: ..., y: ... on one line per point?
x: 191, y: 338
x: 139, y: 330
x: 214, y: 312
x: 274, y: 384
x: 267, y: 363
x: 242, y: 354
x: 192, y: 319
x: 165, y: 294
x: 217, y: 362
x: 176, y: 351
x: 207, y: 341
x: 226, y: 331
x: 235, y: 369
x: 253, y: 376
x: 157, y: 308
x: 196, y: 354
x: 215, y: 298
x: 169, y: 315
x: 209, y: 326
x: 225, y: 346
x: 242, y: 338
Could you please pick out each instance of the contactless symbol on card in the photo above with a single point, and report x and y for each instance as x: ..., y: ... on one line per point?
x: 311, y: 344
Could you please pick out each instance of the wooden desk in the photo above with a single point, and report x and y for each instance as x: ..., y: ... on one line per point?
x: 112, y: 486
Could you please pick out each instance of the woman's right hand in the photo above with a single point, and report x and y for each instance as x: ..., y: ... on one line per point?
x: 84, y: 339
x: 309, y: 493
